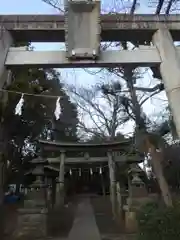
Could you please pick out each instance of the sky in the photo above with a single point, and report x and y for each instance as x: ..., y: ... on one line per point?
x: 38, y: 7
x: 78, y: 76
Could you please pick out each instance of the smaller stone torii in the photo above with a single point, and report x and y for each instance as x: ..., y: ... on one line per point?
x: 115, y: 152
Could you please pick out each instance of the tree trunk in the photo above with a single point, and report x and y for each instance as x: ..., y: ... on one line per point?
x: 158, y: 170
x: 142, y: 137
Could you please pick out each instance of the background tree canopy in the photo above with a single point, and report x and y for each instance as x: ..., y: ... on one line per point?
x: 20, y: 133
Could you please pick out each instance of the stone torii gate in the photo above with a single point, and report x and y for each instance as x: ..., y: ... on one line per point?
x: 114, y: 152
x: 83, y: 28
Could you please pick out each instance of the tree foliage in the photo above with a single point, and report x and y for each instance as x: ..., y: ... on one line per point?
x: 158, y: 222
x: 20, y: 133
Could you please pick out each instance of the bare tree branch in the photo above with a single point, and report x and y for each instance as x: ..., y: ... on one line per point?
x: 54, y: 4
x: 150, y: 96
x: 105, y: 112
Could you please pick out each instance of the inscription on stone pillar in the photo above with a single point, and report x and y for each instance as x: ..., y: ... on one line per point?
x: 82, y: 29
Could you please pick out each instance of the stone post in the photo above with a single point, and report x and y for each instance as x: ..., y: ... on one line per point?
x: 170, y: 71
x: 5, y: 42
x: 53, y: 192
x: 112, y: 177
x: 119, y: 199
x: 48, y: 182
x: 60, y: 182
x: 103, y: 185
x: 5, y: 79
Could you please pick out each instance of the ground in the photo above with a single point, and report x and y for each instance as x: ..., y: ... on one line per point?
x: 83, y: 218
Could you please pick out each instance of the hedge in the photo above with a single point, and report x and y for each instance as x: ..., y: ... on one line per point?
x: 158, y: 222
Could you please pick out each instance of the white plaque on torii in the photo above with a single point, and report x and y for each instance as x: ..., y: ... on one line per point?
x: 82, y: 29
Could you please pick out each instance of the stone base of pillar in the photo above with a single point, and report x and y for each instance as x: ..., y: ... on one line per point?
x: 130, y: 222
x: 31, y: 224
x: 2, y: 220
x: 59, y: 202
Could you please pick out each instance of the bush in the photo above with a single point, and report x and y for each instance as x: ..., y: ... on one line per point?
x: 158, y: 222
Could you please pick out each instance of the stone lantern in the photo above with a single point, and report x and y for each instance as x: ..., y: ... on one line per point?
x: 32, y: 218
x: 37, y: 196
x: 137, y: 195
x: 137, y: 187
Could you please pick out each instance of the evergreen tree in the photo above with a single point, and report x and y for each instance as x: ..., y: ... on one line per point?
x: 20, y: 133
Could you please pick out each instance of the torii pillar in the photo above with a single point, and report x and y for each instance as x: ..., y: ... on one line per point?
x: 60, y: 182
x: 170, y: 71
x: 5, y: 43
x: 112, y: 178
x: 5, y: 79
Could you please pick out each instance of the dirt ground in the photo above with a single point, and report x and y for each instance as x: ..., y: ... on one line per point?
x: 59, y: 221
x: 109, y: 228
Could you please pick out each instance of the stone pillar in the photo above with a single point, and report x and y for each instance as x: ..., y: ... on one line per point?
x: 170, y: 71
x: 112, y: 178
x: 48, y: 182
x: 5, y: 42
x: 5, y: 79
x: 60, y: 182
x: 119, y: 198
x: 103, y: 185
x: 53, y: 192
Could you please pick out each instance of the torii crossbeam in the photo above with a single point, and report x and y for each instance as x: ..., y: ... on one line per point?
x: 114, y: 27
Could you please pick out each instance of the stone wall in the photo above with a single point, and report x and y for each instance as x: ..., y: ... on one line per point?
x: 30, y: 225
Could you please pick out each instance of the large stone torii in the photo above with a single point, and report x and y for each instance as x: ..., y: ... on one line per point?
x: 83, y: 28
